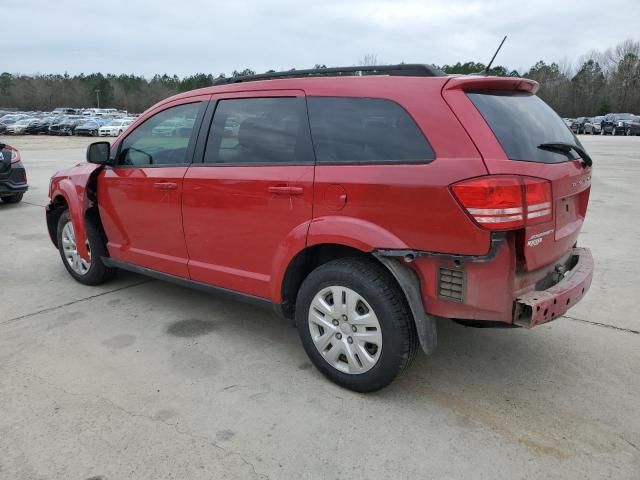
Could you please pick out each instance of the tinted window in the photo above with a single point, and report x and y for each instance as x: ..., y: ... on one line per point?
x: 365, y: 130
x: 521, y: 122
x: 162, y: 139
x: 259, y: 131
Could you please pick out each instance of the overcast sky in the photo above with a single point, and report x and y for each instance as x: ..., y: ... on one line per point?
x: 211, y: 36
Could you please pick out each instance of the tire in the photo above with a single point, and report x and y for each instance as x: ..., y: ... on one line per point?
x: 628, y: 132
x: 380, y: 313
x: 602, y: 131
x: 94, y: 273
x: 15, y: 198
x: 613, y: 131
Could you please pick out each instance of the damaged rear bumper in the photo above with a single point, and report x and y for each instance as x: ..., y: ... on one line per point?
x: 538, y: 307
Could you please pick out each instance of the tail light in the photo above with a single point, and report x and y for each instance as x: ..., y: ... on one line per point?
x: 505, y: 202
x: 15, y: 156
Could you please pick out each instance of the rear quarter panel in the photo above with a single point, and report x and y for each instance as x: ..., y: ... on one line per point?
x: 411, y: 202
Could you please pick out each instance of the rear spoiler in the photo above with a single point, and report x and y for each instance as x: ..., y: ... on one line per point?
x: 473, y: 82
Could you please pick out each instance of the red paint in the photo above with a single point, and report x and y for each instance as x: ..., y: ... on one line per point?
x: 142, y: 218
x: 239, y: 227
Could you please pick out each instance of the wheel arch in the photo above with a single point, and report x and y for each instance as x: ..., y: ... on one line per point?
x: 58, y: 205
x: 406, y: 278
x: 303, y: 263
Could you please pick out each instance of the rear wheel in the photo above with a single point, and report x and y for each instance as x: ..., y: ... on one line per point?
x: 15, y: 198
x: 92, y: 272
x: 355, y: 324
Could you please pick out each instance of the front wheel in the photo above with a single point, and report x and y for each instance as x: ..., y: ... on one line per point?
x: 628, y: 132
x: 355, y: 324
x: 92, y: 272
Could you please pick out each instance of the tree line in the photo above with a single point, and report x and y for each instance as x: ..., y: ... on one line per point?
x: 598, y: 83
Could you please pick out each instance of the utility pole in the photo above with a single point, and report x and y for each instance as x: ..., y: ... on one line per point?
x: 98, y: 96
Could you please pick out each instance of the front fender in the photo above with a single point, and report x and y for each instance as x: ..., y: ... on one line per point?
x: 71, y: 184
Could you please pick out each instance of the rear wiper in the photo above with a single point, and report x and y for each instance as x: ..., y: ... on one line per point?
x: 566, y: 148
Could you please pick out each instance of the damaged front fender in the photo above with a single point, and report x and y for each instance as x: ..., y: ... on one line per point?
x: 73, y: 185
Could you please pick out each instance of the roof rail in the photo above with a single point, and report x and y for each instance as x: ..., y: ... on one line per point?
x: 404, y: 69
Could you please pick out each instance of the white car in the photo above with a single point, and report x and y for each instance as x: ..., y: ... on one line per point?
x: 115, y: 128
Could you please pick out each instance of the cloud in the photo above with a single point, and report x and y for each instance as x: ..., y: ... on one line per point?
x: 185, y: 37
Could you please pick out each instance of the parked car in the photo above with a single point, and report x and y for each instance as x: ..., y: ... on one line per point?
x: 578, y: 125
x: 66, y: 126
x: 593, y: 126
x: 360, y: 207
x: 568, y: 121
x: 13, y: 177
x: 56, y: 123
x: 632, y: 125
x: 114, y: 128
x: 39, y: 126
x: 617, y: 123
x: 90, y: 127
x: 173, y: 127
x: 8, y: 120
x: 19, y: 127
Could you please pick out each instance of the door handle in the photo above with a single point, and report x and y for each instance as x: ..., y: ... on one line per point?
x: 165, y: 185
x: 285, y: 190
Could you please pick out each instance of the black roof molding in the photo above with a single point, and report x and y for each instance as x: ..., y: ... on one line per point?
x: 404, y: 69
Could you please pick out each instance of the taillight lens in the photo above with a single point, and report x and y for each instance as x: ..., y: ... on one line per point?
x: 505, y: 202
x: 15, y: 156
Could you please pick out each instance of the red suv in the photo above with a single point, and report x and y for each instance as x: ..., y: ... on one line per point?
x: 363, y: 203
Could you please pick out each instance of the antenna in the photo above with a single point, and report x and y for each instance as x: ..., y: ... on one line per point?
x: 486, y: 70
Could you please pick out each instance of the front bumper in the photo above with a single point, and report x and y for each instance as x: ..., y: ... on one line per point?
x: 538, y: 307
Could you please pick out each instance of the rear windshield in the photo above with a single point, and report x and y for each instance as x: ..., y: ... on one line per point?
x: 521, y: 122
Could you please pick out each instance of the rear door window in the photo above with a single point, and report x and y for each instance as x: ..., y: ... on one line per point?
x: 365, y: 130
x: 522, y: 121
x: 260, y: 131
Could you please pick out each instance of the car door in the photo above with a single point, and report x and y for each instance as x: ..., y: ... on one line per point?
x: 251, y: 197
x: 140, y: 195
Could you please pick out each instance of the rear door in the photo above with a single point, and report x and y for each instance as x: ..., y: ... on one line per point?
x: 249, y: 199
x: 509, y: 122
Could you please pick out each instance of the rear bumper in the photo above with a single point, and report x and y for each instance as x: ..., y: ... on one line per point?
x: 13, y: 181
x: 538, y: 307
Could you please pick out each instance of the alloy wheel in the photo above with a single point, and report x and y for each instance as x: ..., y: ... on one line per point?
x: 71, y: 255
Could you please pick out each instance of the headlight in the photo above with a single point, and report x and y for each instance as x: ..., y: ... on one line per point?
x: 621, y: 124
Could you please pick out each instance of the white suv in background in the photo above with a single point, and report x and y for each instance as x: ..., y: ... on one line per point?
x: 115, y: 128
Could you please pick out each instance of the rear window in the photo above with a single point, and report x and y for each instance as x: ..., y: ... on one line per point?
x: 521, y: 122
x: 365, y: 130
x: 260, y: 131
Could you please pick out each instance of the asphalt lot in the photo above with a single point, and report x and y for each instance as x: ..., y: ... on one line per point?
x: 146, y: 380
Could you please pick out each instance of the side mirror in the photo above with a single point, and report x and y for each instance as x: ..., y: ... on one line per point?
x: 98, y: 152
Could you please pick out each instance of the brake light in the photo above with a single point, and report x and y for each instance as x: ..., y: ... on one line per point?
x: 505, y: 202
x: 15, y: 156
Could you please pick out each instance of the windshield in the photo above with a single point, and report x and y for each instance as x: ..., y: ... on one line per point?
x: 623, y: 116
x: 521, y: 122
